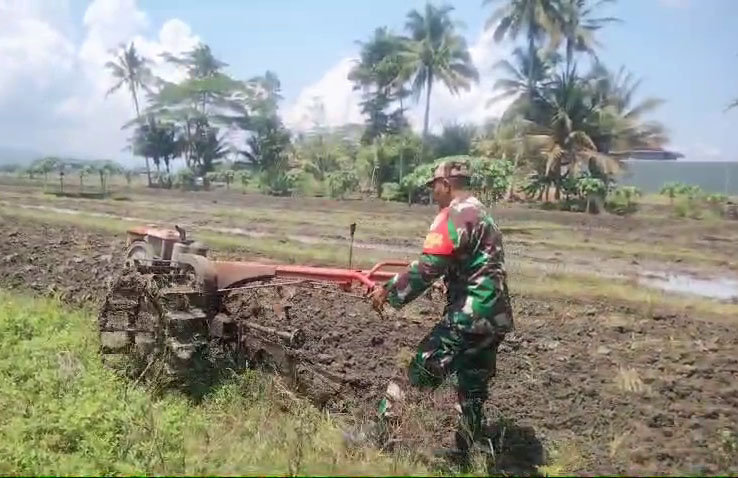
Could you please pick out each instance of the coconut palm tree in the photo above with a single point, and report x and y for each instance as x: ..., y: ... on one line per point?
x: 131, y: 70
x: 526, y: 76
x: 200, y: 62
x: 577, y: 25
x: 535, y: 18
x: 434, y: 52
x: 621, y: 117
x: 382, y: 77
x: 565, y: 129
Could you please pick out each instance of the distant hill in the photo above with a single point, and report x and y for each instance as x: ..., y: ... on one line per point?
x: 17, y: 156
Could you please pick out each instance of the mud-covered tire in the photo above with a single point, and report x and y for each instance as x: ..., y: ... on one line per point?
x: 147, y: 336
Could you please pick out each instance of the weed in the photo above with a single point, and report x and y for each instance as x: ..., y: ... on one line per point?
x: 563, y: 457
x: 629, y: 381
x: 617, y: 443
x: 63, y: 413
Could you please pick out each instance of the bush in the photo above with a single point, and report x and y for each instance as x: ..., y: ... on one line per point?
x: 623, y: 200
x: 688, y: 207
x: 413, y: 185
x: 341, y: 182
x: 307, y: 185
x: 185, y: 179
x: 490, y: 178
x: 536, y: 184
x: 243, y: 177
x: 278, y: 183
x: 391, y: 192
x: 716, y: 199
x: 677, y: 189
x: 592, y: 190
x: 162, y: 179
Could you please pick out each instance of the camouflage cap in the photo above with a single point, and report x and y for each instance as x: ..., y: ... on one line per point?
x: 449, y: 169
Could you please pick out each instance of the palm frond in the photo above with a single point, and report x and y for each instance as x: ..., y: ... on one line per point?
x: 645, y: 106
x: 115, y: 87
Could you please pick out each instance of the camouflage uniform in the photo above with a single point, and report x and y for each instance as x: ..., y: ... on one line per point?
x: 464, y: 245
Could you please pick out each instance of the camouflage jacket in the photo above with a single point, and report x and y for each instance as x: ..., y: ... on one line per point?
x: 464, y: 245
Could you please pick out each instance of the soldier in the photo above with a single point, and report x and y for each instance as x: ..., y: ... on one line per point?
x: 464, y: 246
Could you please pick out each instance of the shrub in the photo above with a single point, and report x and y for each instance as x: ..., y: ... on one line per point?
x: 279, y: 183
x: 185, y: 179
x: 688, y: 207
x: 623, y: 200
x: 243, y: 177
x: 490, y: 178
x: 536, y: 185
x: 716, y: 199
x: 413, y: 185
x: 391, y: 192
x: 591, y: 189
x: 340, y: 182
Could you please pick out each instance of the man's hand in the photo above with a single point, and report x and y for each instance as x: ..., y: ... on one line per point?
x: 378, y: 297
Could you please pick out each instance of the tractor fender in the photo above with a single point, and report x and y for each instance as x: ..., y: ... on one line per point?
x: 139, y: 249
x: 205, y: 273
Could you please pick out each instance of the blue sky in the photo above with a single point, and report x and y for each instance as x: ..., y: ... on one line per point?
x: 685, y: 51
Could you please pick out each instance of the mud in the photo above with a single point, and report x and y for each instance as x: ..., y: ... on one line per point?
x: 600, y: 387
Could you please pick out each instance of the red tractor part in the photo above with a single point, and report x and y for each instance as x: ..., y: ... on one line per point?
x: 171, y: 302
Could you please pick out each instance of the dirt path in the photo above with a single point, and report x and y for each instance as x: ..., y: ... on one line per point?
x: 604, y: 390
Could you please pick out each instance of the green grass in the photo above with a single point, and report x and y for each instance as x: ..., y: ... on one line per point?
x: 62, y: 413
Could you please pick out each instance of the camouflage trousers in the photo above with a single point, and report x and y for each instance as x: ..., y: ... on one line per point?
x: 462, y: 346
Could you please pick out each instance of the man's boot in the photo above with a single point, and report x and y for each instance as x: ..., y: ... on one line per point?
x: 387, y: 414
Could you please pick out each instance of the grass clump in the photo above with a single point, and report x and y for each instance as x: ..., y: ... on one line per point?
x: 63, y: 413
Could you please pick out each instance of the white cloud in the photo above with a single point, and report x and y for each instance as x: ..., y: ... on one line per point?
x: 32, y: 52
x: 59, y: 88
x: 341, y: 103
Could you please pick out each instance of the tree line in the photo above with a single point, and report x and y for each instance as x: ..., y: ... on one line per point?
x: 568, y: 122
x: 64, y: 168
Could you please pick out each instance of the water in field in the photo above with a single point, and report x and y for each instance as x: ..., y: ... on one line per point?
x: 714, y: 288
x: 717, y: 177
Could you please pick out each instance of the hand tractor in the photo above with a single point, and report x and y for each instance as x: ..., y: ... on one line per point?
x: 165, y: 315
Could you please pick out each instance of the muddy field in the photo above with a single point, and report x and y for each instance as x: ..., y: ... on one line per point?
x: 600, y: 387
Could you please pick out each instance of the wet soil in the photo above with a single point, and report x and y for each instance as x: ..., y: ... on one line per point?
x: 601, y: 387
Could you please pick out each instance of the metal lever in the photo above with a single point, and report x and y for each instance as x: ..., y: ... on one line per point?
x: 352, y: 231
x: 182, y: 233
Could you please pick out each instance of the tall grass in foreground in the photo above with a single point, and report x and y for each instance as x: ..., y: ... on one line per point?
x: 63, y: 413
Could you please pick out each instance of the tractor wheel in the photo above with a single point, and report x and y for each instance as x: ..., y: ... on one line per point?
x: 149, y: 333
x: 139, y: 252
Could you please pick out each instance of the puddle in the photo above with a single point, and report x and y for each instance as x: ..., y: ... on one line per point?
x: 715, y: 288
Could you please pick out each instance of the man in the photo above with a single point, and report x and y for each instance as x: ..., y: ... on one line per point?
x: 465, y: 247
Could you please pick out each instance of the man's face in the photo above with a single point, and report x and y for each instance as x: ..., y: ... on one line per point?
x: 441, y: 191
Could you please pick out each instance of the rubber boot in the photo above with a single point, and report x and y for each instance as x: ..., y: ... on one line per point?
x: 387, y: 414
